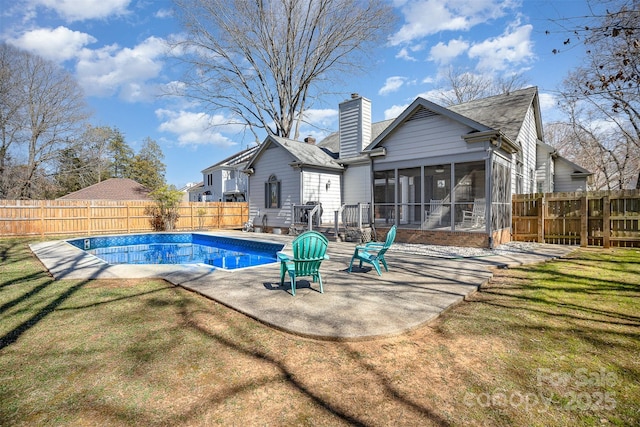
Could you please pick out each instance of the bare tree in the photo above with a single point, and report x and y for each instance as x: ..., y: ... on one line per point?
x: 602, y: 97
x: 45, y: 112
x: 463, y: 86
x: 11, y: 115
x: 265, y: 60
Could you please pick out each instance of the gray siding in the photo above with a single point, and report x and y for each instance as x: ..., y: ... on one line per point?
x: 544, y: 171
x: 357, y: 184
x: 355, y: 126
x: 429, y: 137
x: 528, y: 139
x: 315, y: 189
x: 274, y: 160
x: 564, y: 181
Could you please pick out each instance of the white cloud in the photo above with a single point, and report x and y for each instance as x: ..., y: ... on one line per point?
x: 513, y: 47
x: 444, y: 53
x: 196, y: 128
x: 59, y: 44
x: 426, y: 17
x: 75, y: 10
x: 432, y: 95
x: 392, y: 84
x: 321, y: 117
x: 164, y: 13
x: 394, y: 111
x: 404, y: 54
x: 547, y: 101
x: 111, y: 69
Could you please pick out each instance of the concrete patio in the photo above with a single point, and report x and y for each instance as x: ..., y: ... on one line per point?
x: 356, y: 306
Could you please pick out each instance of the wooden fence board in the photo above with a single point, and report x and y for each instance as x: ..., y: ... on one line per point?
x: 603, y: 218
x: 87, y: 217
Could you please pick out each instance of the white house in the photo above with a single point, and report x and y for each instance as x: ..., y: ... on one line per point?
x: 224, y: 181
x: 442, y: 175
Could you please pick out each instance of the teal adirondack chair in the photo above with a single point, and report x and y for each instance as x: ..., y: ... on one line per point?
x: 373, y: 252
x: 309, y: 250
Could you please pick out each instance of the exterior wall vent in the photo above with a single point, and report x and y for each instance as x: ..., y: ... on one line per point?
x: 421, y: 113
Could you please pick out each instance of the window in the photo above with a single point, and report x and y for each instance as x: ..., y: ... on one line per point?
x: 272, y: 193
x: 519, y: 177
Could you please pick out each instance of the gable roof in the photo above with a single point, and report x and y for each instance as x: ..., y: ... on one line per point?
x: 500, y: 114
x: 111, y: 189
x: 236, y: 159
x: 504, y: 112
x: 303, y: 154
x: 577, y: 169
x: 422, y: 106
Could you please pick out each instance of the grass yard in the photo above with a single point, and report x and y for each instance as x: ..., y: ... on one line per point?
x: 549, y: 344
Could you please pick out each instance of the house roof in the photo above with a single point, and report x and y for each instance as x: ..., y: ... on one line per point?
x: 500, y: 114
x: 423, y: 106
x: 236, y: 159
x: 577, y: 169
x: 111, y: 189
x: 303, y: 154
x: 504, y: 112
x: 332, y: 141
x: 196, y: 187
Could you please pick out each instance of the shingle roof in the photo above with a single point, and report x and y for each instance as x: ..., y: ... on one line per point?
x: 236, y: 159
x: 332, y: 141
x: 307, y: 154
x: 504, y: 112
x: 111, y: 189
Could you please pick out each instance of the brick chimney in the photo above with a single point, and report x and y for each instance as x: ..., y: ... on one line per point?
x: 310, y: 140
x: 355, y: 125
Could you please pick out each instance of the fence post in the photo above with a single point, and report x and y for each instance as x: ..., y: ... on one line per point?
x: 606, y: 222
x: 42, y: 221
x: 542, y: 206
x: 584, y: 221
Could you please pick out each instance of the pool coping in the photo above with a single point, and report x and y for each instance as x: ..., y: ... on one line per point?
x: 355, y: 306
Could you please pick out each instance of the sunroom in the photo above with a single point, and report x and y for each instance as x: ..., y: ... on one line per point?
x: 444, y: 178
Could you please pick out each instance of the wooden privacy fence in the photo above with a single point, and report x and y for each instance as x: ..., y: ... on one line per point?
x: 88, y: 217
x: 603, y: 218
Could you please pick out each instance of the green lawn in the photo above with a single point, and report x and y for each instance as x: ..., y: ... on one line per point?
x: 549, y: 344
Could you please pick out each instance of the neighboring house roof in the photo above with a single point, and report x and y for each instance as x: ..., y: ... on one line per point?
x: 504, y: 112
x: 236, y: 159
x: 303, y: 154
x: 196, y: 187
x: 111, y: 189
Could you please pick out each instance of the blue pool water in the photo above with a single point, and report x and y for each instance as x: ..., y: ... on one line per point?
x: 180, y: 248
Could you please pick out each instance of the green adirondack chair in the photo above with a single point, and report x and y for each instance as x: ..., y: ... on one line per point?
x: 373, y: 252
x: 309, y: 250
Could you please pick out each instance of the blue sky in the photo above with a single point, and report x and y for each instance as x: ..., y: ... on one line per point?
x: 116, y: 50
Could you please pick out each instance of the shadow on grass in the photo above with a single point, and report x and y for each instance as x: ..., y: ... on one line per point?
x: 14, y: 334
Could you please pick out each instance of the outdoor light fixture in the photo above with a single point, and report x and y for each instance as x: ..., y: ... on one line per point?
x: 328, y: 185
x: 439, y: 169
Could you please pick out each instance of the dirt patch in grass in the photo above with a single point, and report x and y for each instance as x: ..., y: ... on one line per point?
x: 114, y: 352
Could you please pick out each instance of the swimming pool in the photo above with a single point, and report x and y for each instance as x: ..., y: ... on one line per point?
x: 180, y: 248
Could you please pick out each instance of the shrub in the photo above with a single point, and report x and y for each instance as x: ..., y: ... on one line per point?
x: 164, y: 213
